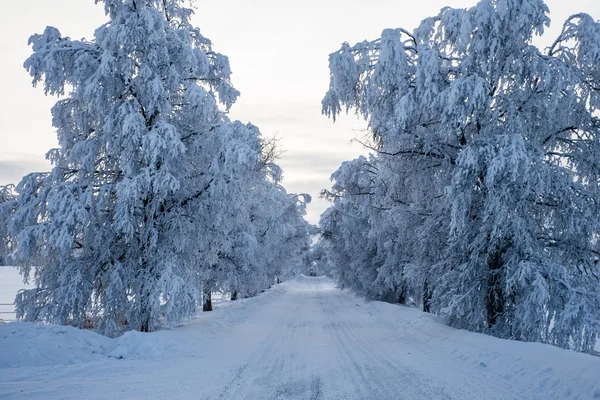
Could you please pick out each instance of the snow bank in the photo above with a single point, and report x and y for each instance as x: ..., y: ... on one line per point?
x: 24, y: 344
x: 547, y: 371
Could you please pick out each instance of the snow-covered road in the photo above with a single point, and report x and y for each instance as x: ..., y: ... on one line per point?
x: 305, y: 340
x: 317, y: 342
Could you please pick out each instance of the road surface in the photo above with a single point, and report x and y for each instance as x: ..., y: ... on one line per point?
x: 317, y: 342
x: 309, y: 340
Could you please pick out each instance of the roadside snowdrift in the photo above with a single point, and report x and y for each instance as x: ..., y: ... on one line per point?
x: 559, y: 373
x: 24, y: 344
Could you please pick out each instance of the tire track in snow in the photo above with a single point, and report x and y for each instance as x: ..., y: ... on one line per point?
x: 284, y: 367
x: 270, y: 370
x: 383, y: 376
x: 320, y: 344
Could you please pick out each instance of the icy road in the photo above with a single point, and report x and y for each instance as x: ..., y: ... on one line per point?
x: 304, y: 339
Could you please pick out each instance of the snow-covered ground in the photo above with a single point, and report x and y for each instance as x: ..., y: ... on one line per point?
x: 303, y: 339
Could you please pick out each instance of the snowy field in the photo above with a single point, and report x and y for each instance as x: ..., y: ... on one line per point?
x: 301, y: 340
x: 10, y: 283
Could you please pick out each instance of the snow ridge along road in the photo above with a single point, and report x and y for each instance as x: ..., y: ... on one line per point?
x: 306, y: 339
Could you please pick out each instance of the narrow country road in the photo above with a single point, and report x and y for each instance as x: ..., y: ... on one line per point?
x: 318, y: 343
x: 305, y: 339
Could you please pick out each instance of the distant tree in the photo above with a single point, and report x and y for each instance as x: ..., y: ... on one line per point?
x: 7, y: 206
x: 317, y: 259
x: 484, y: 200
x: 346, y: 228
x: 262, y: 234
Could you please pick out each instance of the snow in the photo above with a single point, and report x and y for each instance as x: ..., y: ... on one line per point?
x: 33, y: 345
x: 10, y: 283
x: 301, y: 339
x: 25, y: 344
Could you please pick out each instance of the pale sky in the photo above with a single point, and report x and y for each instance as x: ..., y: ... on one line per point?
x: 278, y: 52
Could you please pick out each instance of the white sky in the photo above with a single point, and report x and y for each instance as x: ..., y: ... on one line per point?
x: 278, y: 52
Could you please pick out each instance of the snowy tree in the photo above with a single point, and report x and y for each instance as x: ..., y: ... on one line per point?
x: 288, y: 234
x: 346, y: 226
x: 259, y: 232
x: 111, y: 211
x: 149, y: 188
x: 486, y: 178
x: 318, y: 260
x: 7, y: 206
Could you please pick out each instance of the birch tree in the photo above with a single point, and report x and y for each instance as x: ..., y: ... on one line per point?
x: 149, y: 191
x: 487, y: 173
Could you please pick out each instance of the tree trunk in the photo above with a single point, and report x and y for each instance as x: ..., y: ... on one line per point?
x: 495, y: 301
x: 234, y: 295
x: 426, y: 297
x: 145, y: 313
x: 206, y: 301
x: 401, y: 297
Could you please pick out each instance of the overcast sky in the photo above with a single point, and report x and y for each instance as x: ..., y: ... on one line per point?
x: 278, y: 52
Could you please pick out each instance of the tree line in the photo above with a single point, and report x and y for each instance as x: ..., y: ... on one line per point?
x: 480, y: 199
x: 155, y: 198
